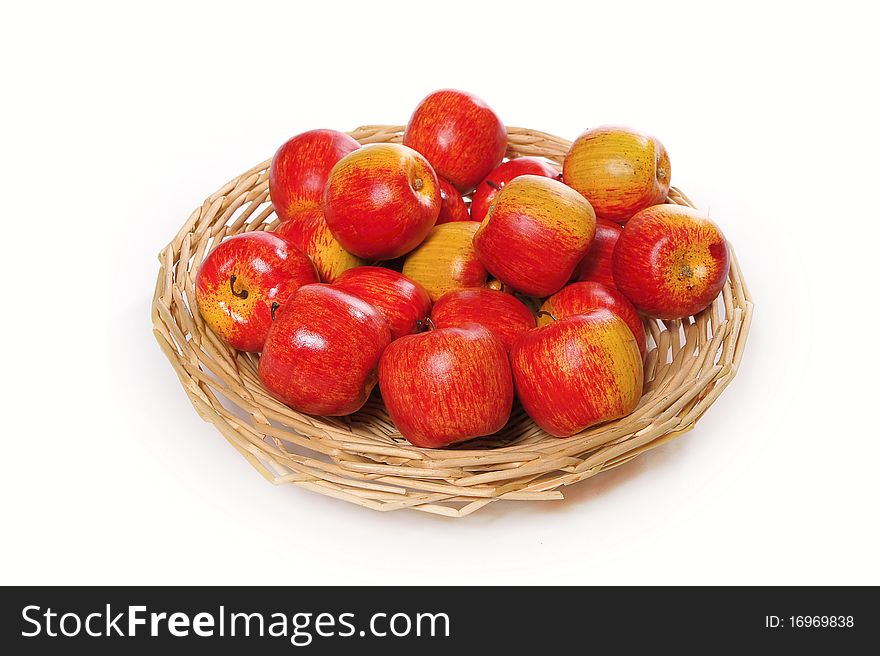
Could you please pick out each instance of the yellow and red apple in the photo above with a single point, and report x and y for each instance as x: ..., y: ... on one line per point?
x: 536, y: 232
x: 381, y: 201
x: 446, y: 260
x: 619, y: 170
x: 446, y: 385
x: 321, y: 353
x: 671, y: 261
x: 244, y: 281
x: 459, y: 134
x: 578, y: 371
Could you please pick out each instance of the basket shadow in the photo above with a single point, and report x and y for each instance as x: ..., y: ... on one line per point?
x: 576, y: 495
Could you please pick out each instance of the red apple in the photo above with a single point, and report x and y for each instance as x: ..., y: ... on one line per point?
x: 403, y: 302
x: 534, y: 235
x: 596, y: 265
x: 670, y: 261
x: 446, y: 385
x: 495, y: 181
x: 381, y: 201
x: 446, y: 260
x: 321, y: 354
x: 308, y: 231
x: 620, y: 171
x: 459, y: 134
x: 578, y: 371
x: 505, y: 316
x: 243, y: 282
x: 452, y: 206
x: 300, y: 168
x: 582, y: 297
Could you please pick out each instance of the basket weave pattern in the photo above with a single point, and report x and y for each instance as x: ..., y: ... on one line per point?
x: 362, y: 458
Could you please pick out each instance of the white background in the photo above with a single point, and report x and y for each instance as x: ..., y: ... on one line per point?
x: 118, y: 121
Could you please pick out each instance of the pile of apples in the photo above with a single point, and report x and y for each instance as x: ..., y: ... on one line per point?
x: 379, y: 271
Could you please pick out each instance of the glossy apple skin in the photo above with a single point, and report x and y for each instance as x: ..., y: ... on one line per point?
x: 299, y: 169
x: 582, y: 297
x: 403, y: 302
x: 534, y: 235
x: 459, y: 134
x: 308, y: 231
x: 267, y: 271
x: 446, y: 260
x: 503, y: 314
x: 619, y: 170
x: 447, y: 385
x: 596, y: 265
x: 670, y: 261
x: 381, y: 201
x: 577, y: 372
x: 452, y: 205
x: 321, y: 354
x: 504, y: 173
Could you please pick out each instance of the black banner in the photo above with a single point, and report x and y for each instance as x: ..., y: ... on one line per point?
x: 278, y: 620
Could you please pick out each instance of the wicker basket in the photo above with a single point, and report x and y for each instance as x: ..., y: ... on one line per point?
x: 362, y: 458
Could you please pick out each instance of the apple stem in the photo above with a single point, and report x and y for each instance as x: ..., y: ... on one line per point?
x: 494, y: 185
x: 427, y: 321
x: 544, y: 313
x: 240, y: 294
x: 275, y: 306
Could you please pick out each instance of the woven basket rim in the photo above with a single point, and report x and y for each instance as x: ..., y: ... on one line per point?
x: 362, y: 459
